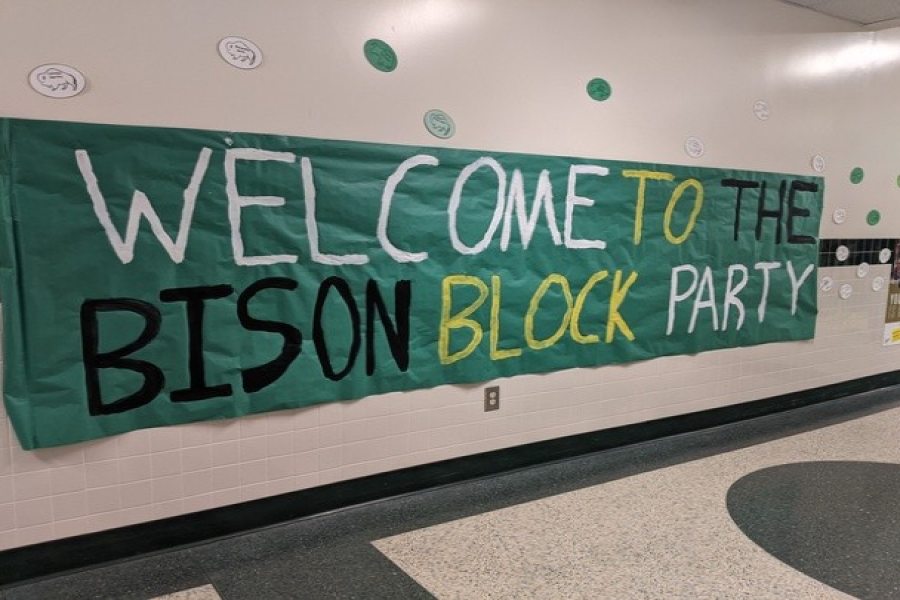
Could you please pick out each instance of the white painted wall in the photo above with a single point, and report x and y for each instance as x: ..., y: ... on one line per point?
x: 512, y: 74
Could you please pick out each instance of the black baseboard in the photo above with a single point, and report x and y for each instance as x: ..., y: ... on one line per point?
x: 49, y: 558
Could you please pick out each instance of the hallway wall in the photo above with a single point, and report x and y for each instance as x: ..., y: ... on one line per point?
x: 512, y: 75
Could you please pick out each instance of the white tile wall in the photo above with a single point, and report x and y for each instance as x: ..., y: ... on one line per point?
x: 678, y: 69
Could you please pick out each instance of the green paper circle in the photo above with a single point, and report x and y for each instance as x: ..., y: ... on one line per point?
x: 898, y: 180
x: 380, y: 55
x: 599, y: 89
x: 857, y: 174
x: 873, y: 217
x: 439, y: 124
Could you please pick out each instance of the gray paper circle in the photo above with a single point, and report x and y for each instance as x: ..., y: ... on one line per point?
x: 439, y: 124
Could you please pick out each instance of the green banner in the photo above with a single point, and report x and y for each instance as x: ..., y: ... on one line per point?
x: 158, y: 276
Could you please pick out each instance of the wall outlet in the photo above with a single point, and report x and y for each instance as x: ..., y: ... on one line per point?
x: 492, y: 398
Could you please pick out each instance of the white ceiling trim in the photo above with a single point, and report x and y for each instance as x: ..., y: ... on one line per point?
x: 861, y: 12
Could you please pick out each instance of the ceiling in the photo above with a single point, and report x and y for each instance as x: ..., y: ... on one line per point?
x: 862, y: 12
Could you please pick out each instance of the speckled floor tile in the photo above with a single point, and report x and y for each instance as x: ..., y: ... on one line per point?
x: 136, y: 579
x: 205, y: 592
x: 660, y: 534
x: 303, y: 563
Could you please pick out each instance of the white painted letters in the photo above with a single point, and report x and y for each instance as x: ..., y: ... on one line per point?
x: 456, y: 198
x: 543, y: 196
x: 236, y: 203
x: 675, y: 296
x: 312, y: 227
x: 796, y: 283
x: 140, y: 206
x: 573, y: 200
x: 390, y: 187
x: 706, y: 284
x: 764, y: 267
x: 732, y: 290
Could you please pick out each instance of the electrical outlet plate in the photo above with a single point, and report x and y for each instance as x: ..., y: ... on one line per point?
x: 492, y: 398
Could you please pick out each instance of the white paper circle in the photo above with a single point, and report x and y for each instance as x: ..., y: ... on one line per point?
x: 240, y: 52
x: 862, y: 269
x: 818, y: 163
x: 846, y: 291
x: 884, y: 255
x: 56, y: 81
x: 877, y: 284
x: 761, y: 110
x: 842, y: 253
x: 826, y: 284
x: 439, y: 124
x: 839, y: 215
x: 694, y: 147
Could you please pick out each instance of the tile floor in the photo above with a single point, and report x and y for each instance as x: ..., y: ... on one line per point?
x: 204, y: 592
x: 797, y: 505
